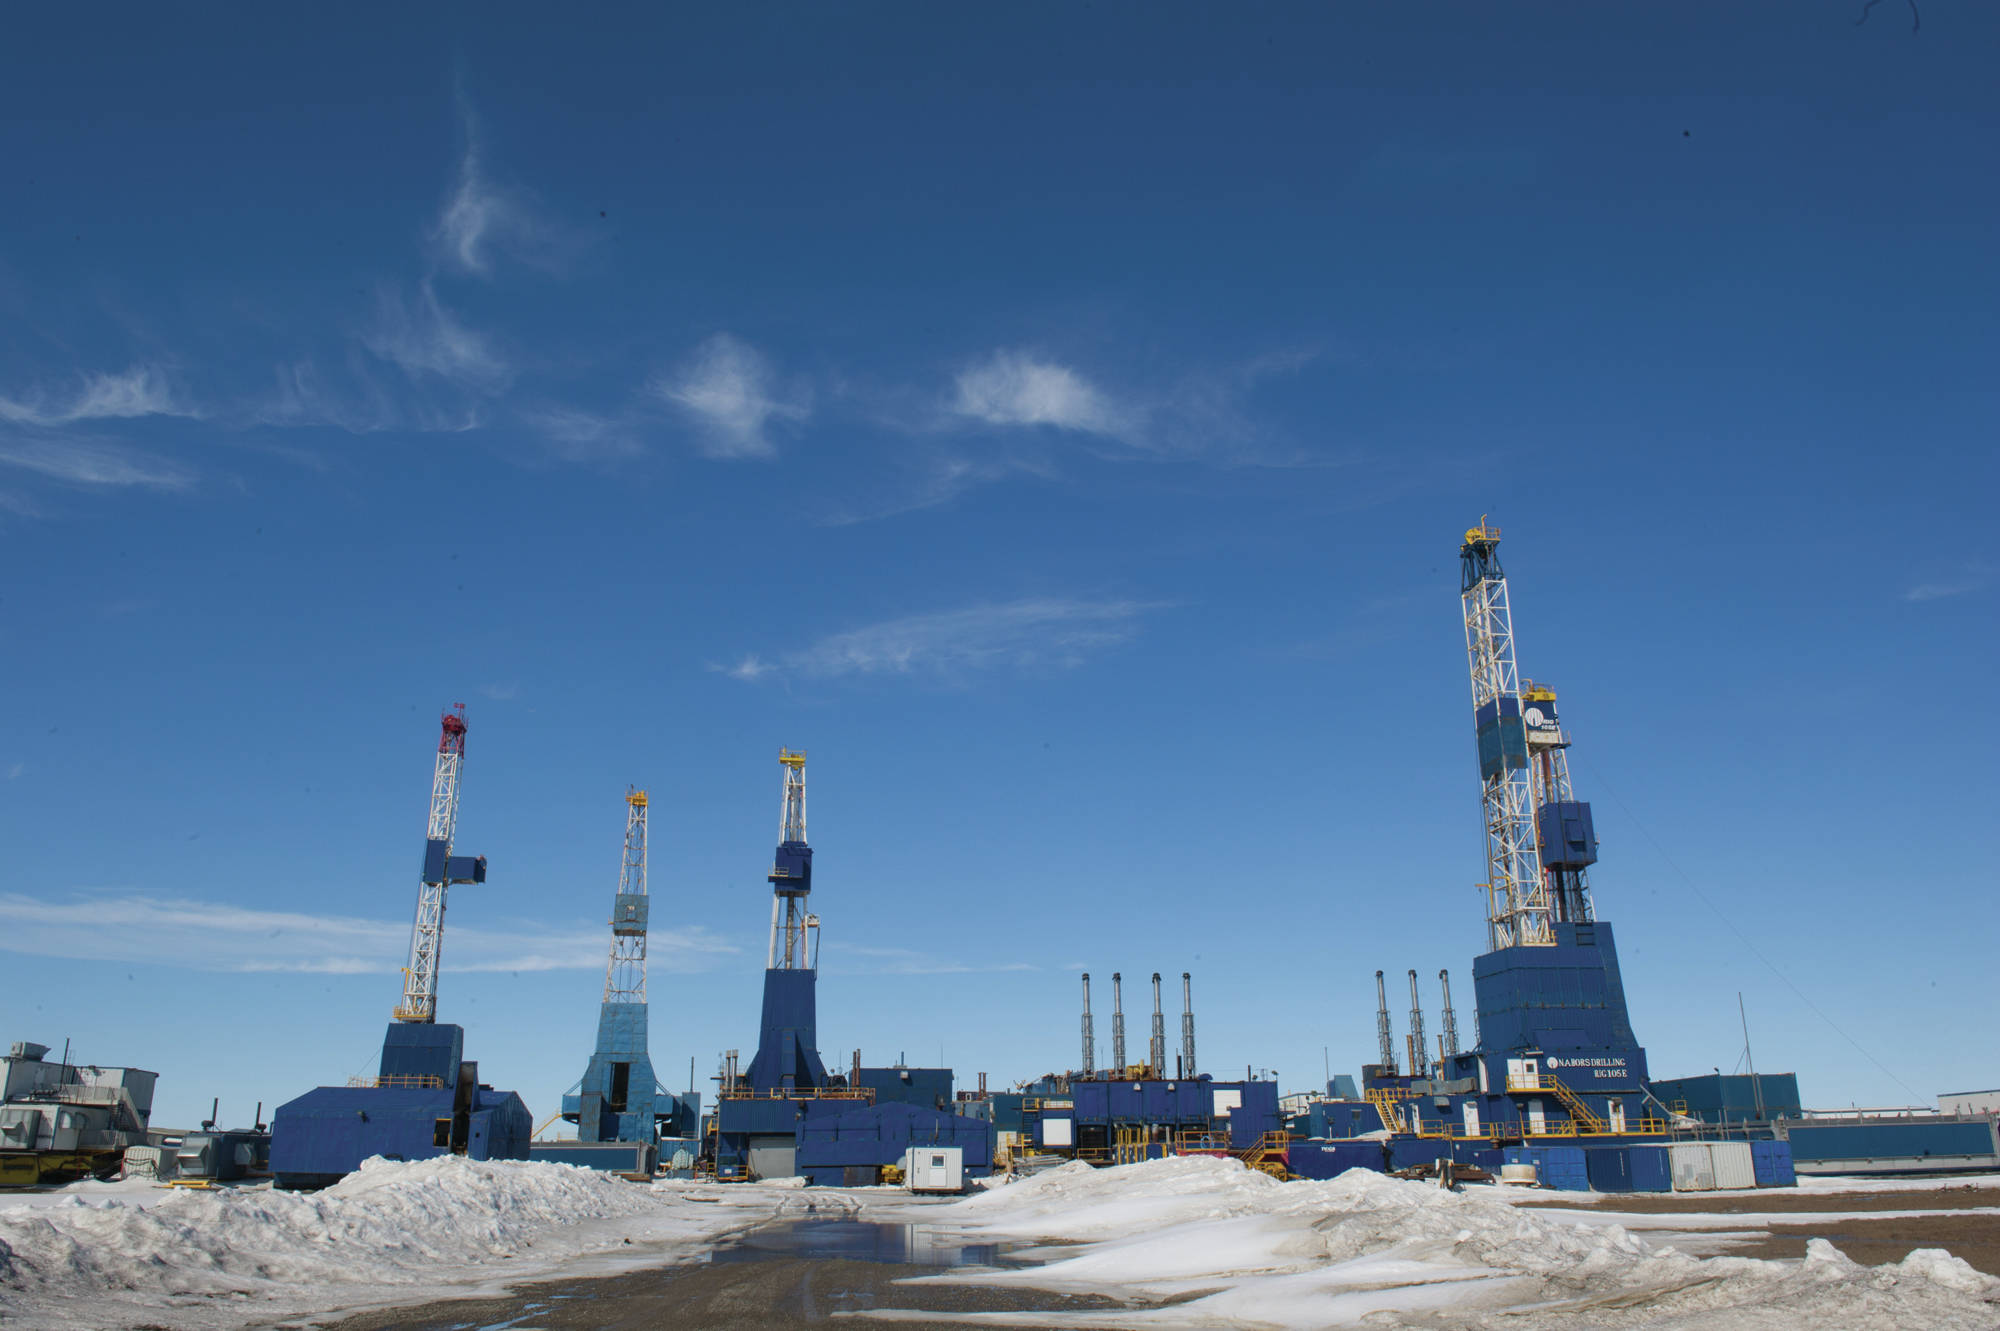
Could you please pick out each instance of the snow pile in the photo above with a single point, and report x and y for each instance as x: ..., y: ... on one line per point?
x: 1204, y: 1242
x: 197, y: 1259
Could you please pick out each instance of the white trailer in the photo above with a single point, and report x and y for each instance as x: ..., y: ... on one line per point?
x: 934, y: 1169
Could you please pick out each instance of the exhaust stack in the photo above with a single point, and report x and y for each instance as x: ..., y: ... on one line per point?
x: 1089, y: 1034
x: 1419, y: 1050
x: 1450, y: 1017
x: 1187, y: 1026
x: 1157, y: 1055
x: 1382, y: 1032
x: 1117, y: 1025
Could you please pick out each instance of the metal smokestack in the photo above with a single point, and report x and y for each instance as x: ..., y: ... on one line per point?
x: 1450, y: 1017
x: 1382, y: 1033
x: 1089, y: 1034
x: 1158, y: 1053
x: 1187, y: 1026
x: 1420, y: 1052
x: 1117, y: 1025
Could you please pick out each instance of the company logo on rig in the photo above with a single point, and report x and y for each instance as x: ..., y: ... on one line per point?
x: 1599, y: 1067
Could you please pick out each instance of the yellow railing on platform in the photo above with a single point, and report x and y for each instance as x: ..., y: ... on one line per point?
x: 1587, y: 1123
x: 423, y: 1083
x: 804, y: 1093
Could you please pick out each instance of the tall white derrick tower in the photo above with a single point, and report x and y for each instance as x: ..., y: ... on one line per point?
x: 1517, y: 904
x: 625, y: 972
x: 792, y: 878
x: 441, y: 869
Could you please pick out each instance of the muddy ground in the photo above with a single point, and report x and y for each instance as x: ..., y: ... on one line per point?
x: 1975, y: 1238
x: 737, y: 1296
x: 787, y: 1291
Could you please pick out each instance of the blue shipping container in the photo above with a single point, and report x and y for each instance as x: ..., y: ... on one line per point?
x: 1652, y: 1169
x: 1609, y: 1167
x: 1772, y: 1162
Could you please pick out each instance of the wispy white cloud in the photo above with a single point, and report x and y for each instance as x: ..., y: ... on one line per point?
x: 142, y: 390
x: 423, y: 337
x: 1974, y: 578
x: 729, y: 390
x: 91, y: 462
x: 207, y: 935
x: 906, y: 961
x: 474, y: 210
x: 576, y: 435
x: 1019, y: 388
x: 507, y: 692
x: 14, y: 771
x: 1036, y: 633
x: 939, y: 478
x: 481, y: 217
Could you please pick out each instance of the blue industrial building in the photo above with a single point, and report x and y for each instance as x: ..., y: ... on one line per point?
x: 426, y: 1102
x: 426, y: 1099
x: 1722, y: 1098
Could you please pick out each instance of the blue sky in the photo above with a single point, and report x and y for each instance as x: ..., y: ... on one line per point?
x: 1059, y: 421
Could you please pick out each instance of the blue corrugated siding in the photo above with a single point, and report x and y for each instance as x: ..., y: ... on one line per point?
x: 1324, y: 1160
x: 1772, y: 1161
x: 1652, y: 1169
x: 1898, y: 1140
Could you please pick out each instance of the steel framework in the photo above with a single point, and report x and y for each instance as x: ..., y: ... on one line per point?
x: 625, y: 971
x: 1568, y: 885
x: 789, y: 917
x: 1517, y: 906
x: 420, y: 977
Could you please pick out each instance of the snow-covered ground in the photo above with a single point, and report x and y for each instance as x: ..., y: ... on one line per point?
x: 1239, y: 1249
x: 1234, y: 1247
x: 128, y: 1254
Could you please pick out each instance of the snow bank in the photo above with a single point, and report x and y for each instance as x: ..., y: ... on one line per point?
x: 1206, y: 1242
x: 390, y: 1233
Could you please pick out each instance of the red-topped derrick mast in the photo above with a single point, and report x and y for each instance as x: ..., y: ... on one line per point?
x: 441, y: 869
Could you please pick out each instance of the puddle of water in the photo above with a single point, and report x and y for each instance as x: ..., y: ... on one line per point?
x: 860, y: 1241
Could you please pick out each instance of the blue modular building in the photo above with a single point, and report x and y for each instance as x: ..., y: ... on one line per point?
x: 1913, y: 1144
x: 1095, y: 1119
x: 843, y: 1143
x: 426, y: 1102
x: 930, y: 1088
x: 1727, y: 1098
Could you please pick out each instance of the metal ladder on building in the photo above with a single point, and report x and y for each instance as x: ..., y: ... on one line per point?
x: 1587, y: 1123
x: 1388, y: 1103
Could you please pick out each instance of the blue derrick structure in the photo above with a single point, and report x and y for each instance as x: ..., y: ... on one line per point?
x: 1557, y: 1076
x: 619, y: 1098
x: 759, y: 1114
x: 785, y: 1115
x: 426, y: 1099
x: 787, y: 1056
